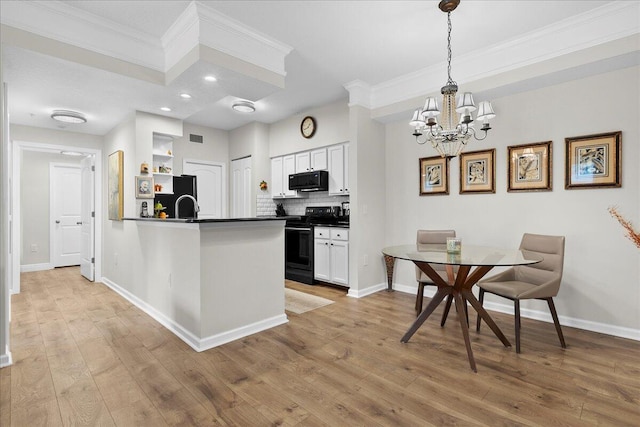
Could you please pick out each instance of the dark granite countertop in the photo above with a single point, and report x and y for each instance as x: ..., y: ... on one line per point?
x: 212, y: 220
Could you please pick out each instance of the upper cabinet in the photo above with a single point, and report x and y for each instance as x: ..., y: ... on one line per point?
x: 281, y: 168
x: 338, y: 166
x: 313, y: 160
x: 163, y: 163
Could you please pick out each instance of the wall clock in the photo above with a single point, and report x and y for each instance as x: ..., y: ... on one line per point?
x: 308, y: 126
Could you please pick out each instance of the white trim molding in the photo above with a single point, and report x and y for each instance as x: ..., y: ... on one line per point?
x: 198, y: 344
x: 29, y: 268
x: 587, y: 325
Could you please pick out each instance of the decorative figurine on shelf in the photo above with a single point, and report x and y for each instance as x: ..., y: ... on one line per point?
x: 157, y: 188
x: 263, y: 185
x: 144, y: 212
x: 144, y: 167
x: 169, y: 152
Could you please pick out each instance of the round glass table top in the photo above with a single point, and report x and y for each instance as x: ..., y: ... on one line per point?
x: 469, y: 255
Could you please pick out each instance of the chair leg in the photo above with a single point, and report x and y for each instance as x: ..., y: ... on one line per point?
x: 516, y: 304
x: 480, y: 300
x: 552, y: 308
x: 419, y: 298
x: 445, y: 313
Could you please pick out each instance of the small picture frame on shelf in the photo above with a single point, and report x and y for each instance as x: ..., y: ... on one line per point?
x: 530, y: 167
x: 144, y: 187
x: 477, y: 172
x: 434, y: 176
x: 593, y: 161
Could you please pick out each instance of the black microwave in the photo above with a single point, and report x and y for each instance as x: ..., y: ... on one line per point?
x: 309, y: 181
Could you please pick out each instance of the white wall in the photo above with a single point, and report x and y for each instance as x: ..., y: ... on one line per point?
x: 215, y: 146
x: 600, y: 288
x: 332, y: 128
x: 252, y: 140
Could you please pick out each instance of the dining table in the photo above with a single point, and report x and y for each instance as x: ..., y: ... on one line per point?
x: 470, y: 264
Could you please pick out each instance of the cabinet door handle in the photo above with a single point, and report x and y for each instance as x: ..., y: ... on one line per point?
x: 57, y: 221
x: 79, y: 223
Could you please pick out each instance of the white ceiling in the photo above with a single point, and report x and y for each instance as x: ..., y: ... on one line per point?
x: 332, y: 44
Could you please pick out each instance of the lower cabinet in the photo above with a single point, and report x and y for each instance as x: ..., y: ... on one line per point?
x: 331, y: 255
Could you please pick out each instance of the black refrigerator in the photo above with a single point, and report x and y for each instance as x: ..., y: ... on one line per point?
x: 183, y: 184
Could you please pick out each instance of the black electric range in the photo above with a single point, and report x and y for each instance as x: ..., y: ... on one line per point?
x: 298, y: 243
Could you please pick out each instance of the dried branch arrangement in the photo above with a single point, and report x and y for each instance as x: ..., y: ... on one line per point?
x: 633, y: 235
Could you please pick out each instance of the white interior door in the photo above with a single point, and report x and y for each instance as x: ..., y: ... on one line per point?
x: 87, y: 213
x: 211, y: 186
x: 65, y: 216
x: 241, y: 188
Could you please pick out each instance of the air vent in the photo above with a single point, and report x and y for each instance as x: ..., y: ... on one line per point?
x: 195, y: 138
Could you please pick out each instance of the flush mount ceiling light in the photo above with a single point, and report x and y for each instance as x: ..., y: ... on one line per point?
x: 185, y: 95
x: 450, y: 133
x: 210, y: 78
x: 244, y: 106
x: 67, y: 116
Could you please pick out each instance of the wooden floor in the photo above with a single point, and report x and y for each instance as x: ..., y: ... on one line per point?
x: 85, y: 356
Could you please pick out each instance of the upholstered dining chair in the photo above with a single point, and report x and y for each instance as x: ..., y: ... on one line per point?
x: 423, y: 239
x: 535, y: 281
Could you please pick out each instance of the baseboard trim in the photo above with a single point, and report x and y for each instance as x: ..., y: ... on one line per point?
x: 360, y: 293
x: 6, y: 360
x: 587, y: 325
x: 234, y: 334
x: 29, y: 268
x: 184, y: 334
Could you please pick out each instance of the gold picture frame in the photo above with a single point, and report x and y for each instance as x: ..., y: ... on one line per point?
x: 116, y: 185
x: 144, y: 187
x: 593, y: 161
x: 530, y: 167
x: 478, y: 171
x: 434, y: 176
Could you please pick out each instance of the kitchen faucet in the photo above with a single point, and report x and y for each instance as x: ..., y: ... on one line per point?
x: 196, y: 207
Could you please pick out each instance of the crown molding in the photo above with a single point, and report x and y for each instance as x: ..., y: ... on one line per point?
x: 181, y: 37
x: 359, y: 93
x: 64, y: 23
x: 233, y: 38
x: 610, y: 22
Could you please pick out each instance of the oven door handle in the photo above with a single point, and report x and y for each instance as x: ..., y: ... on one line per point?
x: 298, y: 228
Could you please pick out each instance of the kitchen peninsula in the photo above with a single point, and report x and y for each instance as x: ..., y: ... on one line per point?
x: 209, y: 281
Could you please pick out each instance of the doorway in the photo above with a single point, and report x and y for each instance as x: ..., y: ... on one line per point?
x: 18, y: 197
x: 211, y: 184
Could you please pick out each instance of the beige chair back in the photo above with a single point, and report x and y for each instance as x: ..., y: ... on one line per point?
x: 432, y: 237
x: 549, y: 271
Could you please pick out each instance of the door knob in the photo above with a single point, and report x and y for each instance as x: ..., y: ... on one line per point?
x: 57, y: 221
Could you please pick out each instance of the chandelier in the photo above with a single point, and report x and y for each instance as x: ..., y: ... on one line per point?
x: 450, y: 132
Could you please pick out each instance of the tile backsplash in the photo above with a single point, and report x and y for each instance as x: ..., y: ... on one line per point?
x: 266, y: 206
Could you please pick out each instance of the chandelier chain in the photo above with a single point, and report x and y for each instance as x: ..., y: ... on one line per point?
x: 450, y: 81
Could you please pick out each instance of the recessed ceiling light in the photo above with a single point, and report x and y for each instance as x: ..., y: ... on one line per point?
x: 185, y: 95
x: 210, y: 78
x: 244, y: 106
x: 67, y: 116
x: 165, y: 108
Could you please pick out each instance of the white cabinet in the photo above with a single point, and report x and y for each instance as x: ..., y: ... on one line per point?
x: 338, y: 165
x: 331, y: 255
x: 313, y: 160
x: 163, y: 163
x: 281, y: 168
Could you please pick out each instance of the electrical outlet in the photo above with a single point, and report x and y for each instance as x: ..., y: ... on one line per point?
x: 34, y: 248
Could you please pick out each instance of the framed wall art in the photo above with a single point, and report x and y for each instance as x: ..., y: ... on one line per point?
x: 593, y: 161
x: 530, y: 167
x: 477, y: 171
x: 434, y: 175
x: 144, y: 187
x: 115, y: 185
